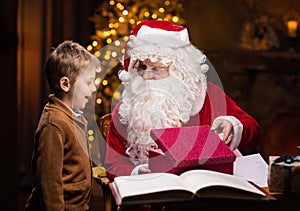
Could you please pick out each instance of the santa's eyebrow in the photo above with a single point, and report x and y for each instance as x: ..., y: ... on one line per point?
x: 136, y: 61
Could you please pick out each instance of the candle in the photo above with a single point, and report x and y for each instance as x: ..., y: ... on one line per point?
x: 292, y: 26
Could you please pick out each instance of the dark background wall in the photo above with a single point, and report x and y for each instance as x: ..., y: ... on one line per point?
x: 8, y: 104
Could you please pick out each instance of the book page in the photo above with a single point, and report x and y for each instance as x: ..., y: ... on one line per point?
x: 198, y: 179
x: 147, y: 183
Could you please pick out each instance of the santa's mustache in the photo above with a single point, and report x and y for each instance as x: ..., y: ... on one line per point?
x: 170, y: 86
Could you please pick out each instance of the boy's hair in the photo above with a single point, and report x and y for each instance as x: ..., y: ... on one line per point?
x: 69, y: 59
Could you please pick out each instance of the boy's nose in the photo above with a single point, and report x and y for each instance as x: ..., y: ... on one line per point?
x: 94, y: 88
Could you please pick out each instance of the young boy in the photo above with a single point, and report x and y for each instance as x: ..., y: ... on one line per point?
x: 61, y: 163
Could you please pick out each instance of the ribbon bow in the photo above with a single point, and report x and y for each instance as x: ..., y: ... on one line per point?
x: 287, y: 159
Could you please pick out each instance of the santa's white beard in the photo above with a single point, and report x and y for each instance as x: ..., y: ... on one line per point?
x: 152, y: 104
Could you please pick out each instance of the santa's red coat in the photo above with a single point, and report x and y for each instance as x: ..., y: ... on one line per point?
x: 216, y: 103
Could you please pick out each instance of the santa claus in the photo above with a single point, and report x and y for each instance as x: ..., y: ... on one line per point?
x: 165, y: 85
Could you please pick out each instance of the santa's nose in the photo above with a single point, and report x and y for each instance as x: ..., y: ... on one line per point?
x: 148, y: 74
x: 153, y: 73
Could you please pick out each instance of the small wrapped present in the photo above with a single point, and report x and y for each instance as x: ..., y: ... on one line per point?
x: 284, y: 174
x: 185, y: 148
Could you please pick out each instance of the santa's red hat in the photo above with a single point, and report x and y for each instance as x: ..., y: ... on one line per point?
x: 163, y: 40
x: 160, y: 32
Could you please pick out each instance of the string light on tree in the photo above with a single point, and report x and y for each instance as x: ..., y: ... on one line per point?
x: 116, y: 18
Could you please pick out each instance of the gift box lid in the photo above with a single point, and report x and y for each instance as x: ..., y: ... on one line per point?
x: 194, y: 143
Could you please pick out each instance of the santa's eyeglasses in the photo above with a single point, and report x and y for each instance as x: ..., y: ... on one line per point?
x: 143, y: 67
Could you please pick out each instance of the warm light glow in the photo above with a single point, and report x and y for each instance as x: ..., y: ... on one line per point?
x: 109, y: 40
x: 120, y: 6
x: 113, y: 32
x: 91, y: 133
x: 97, y: 53
x: 132, y: 21
x: 104, y: 82
x: 112, y: 2
x: 117, y: 95
x: 98, y: 101
x: 125, y: 12
x: 114, y: 54
x: 99, y: 33
x: 97, y: 81
x: 106, y: 33
x: 121, y: 19
x: 117, y: 43
x: 95, y: 43
x: 146, y: 14
x: 292, y: 26
x: 116, y: 25
x: 89, y: 48
x: 98, y: 70
x: 175, y: 19
x: 154, y: 16
x: 91, y: 138
x: 161, y: 10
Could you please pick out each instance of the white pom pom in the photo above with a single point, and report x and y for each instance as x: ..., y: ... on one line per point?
x: 124, y: 75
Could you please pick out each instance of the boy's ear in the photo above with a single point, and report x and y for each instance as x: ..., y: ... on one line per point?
x: 64, y: 84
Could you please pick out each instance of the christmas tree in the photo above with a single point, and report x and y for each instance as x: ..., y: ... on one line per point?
x: 113, y: 21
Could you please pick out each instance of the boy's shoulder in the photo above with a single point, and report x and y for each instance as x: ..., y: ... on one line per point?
x: 56, y: 108
x: 56, y: 115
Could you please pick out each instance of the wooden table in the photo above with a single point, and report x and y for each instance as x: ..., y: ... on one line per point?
x: 285, y: 202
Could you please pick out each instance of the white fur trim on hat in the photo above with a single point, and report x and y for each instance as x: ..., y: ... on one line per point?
x: 173, y: 39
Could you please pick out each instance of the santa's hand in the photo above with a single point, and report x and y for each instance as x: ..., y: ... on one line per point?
x: 229, y: 129
x: 144, y: 170
x: 224, y: 129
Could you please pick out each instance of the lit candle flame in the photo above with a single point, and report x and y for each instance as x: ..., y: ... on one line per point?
x: 292, y: 26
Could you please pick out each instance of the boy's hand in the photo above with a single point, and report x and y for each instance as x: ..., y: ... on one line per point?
x: 144, y: 170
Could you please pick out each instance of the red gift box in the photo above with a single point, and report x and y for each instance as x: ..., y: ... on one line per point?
x: 185, y: 148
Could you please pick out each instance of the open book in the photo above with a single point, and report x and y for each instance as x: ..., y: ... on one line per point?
x: 168, y: 187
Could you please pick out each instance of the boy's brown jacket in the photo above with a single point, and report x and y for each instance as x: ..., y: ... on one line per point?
x: 60, y: 163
